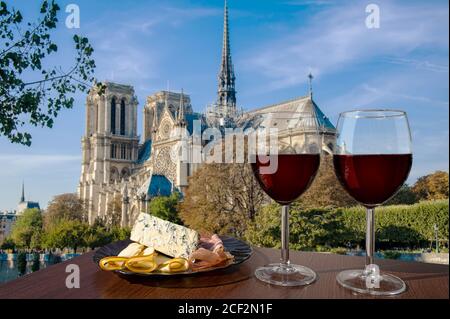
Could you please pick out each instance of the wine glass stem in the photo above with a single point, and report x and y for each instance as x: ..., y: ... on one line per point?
x: 370, y: 235
x: 285, y: 235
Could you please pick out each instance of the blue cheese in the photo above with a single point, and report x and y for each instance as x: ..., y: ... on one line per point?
x: 168, y: 238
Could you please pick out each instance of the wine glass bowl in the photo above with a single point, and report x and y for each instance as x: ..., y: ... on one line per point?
x: 285, y: 173
x: 372, y: 160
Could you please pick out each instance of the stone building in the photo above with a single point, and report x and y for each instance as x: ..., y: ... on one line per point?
x: 119, y: 165
x: 8, y: 218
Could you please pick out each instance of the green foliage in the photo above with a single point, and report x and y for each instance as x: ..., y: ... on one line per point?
x: 119, y: 233
x: 36, y: 262
x: 22, y: 263
x: 396, y: 226
x: 25, y: 52
x: 66, y: 233
x: 402, y: 225
x: 27, y: 229
x: 308, y: 228
x: 96, y: 236
x: 8, y: 243
x: 404, y: 196
x: 166, y: 207
x: 392, y: 254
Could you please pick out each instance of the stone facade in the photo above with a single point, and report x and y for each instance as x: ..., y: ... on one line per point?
x: 118, y: 164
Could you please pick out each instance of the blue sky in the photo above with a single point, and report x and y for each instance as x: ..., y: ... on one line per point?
x: 275, y: 44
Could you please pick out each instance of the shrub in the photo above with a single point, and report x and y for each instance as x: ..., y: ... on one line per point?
x: 166, y: 207
x: 396, y: 226
x: 308, y: 228
x: 391, y: 254
x: 402, y: 225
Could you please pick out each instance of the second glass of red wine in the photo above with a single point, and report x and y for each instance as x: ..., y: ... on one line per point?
x: 284, y: 173
x: 372, y: 160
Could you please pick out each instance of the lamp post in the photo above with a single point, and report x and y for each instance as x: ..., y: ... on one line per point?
x: 436, y: 236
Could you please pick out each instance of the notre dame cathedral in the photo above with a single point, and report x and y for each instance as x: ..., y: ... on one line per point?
x: 118, y: 164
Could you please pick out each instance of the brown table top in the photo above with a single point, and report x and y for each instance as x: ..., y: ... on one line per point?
x: 423, y: 280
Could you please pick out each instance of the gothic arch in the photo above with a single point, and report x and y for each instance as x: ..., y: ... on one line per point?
x: 125, y: 173
x: 114, y: 174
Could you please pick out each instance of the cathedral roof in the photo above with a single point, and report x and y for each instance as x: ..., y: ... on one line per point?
x: 303, y: 104
x: 159, y: 186
x: 144, y: 152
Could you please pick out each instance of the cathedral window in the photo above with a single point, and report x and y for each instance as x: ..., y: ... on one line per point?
x: 122, y: 117
x: 113, y: 115
x: 122, y: 151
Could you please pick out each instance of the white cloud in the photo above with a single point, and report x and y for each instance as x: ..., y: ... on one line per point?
x: 337, y: 37
x: 126, y: 49
x: 23, y: 164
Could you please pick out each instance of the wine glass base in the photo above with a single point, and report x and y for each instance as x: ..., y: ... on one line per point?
x: 286, y: 275
x: 381, y: 285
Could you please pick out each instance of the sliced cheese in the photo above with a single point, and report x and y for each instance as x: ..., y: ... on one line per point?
x: 168, y: 238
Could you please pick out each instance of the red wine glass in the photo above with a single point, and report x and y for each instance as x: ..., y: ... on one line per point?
x: 285, y: 171
x: 372, y: 160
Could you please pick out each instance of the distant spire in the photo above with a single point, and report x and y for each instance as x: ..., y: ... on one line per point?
x: 22, y: 198
x: 310, y: 77
x: 226, y: 92
x: 181, y: 110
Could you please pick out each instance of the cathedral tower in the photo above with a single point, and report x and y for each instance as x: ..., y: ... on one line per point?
x: 110, y: 144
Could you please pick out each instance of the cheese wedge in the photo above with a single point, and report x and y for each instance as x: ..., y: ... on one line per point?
x: 168, y: 238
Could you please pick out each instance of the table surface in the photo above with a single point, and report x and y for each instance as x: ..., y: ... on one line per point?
x: 423, y: 280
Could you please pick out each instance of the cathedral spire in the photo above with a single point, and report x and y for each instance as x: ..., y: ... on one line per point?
x: 310, y: 77
x: 181, y: 110
x: 22, y: 198
x: 226, y: 92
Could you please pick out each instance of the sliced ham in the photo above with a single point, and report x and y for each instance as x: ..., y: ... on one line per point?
x: 210, y: 253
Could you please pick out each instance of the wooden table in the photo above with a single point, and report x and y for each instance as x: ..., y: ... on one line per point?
x: 423, y: 280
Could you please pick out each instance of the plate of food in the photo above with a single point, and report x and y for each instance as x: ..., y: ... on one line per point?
x: 159, y: 247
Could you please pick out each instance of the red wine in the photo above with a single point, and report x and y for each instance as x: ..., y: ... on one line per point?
x: 292, y: 178
x: 372, y: 179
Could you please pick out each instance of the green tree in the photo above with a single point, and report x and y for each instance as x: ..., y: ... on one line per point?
x: 166, y: 207
x: 96, y: 236
x: 32, y: 91
x: 119, y: 233
x: 66, y: 234
x: 22, y: 263
x: 432, y: 187
x: 27, y: 229
x: 65, y: 206
x: 8, y: 243
x: 404, y: 196
x: 36, y: 262
x: 309, y: 228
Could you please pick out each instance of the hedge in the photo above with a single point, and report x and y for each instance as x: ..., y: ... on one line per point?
x: 399, y: 226
x: 402, y: 225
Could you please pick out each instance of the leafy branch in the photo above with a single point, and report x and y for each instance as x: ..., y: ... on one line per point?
x: 26, y: 48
